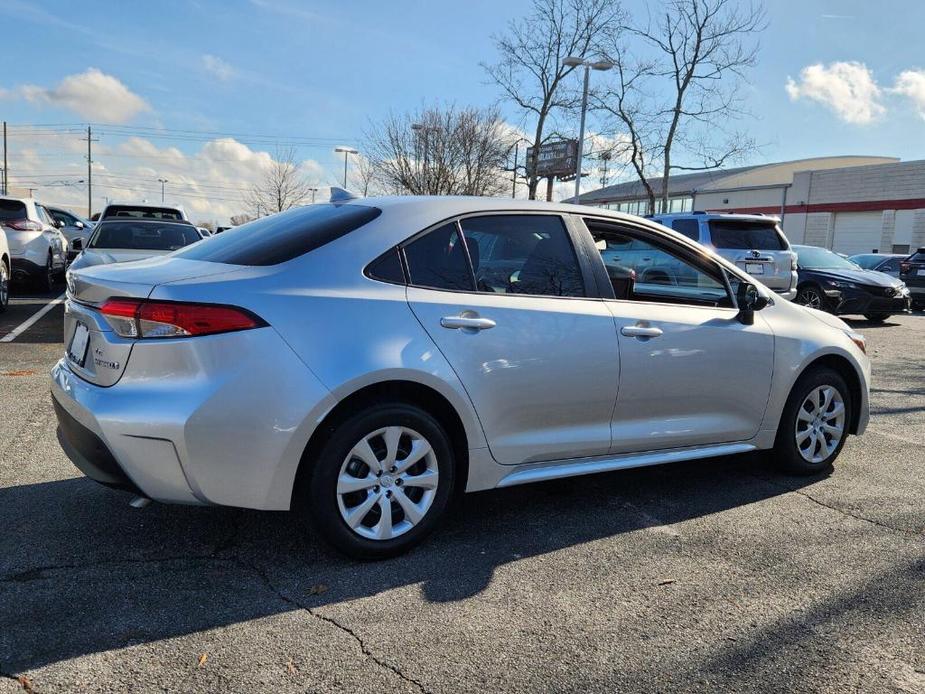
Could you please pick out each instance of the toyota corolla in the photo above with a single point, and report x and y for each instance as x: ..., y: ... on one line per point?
x: 364, y: 361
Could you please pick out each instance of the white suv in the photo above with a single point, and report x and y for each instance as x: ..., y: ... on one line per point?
x: 38, y: 250
x: 4, y: 272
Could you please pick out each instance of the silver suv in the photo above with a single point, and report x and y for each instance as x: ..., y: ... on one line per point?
x: 37, y: 248
x: 755, y: 243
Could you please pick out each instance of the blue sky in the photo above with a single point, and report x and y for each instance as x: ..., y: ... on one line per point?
x: 320, y: 71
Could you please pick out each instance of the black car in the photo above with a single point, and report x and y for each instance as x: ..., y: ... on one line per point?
x: 912, y: 272
x: 829, y: 282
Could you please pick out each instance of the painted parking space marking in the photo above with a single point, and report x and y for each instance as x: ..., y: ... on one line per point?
x: 32, y: 320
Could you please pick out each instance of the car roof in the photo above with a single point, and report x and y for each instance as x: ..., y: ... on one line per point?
x: 717, y: 215
x: 143, y: 220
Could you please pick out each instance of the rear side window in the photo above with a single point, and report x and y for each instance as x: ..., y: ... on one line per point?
x: 523, y: 254
x: 744, y: 235
x: 689, y: 227
x: 12, y: 209
x: 281, y: 237
x: 439, y: 260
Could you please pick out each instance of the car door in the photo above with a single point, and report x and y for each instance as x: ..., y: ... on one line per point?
x: 691, y: 372
x: 56, y: 241
x: 506, y: 300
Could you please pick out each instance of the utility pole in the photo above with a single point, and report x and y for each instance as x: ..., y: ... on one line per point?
x: 163, y: 182
x: 5, y: 179
x: 90, y: 140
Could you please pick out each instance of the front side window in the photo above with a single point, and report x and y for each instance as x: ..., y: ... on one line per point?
x: 523, y: 254
x: 641, y: 270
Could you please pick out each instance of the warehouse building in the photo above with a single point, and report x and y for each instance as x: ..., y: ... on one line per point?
x: 850, y: 204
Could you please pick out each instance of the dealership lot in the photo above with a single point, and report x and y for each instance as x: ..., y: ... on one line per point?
x: 705, y: 576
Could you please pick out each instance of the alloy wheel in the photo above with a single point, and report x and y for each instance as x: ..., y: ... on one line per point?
x: 820, y: 424
x: 4, y: 286
x: 387, y: 483
x: 808, y: 296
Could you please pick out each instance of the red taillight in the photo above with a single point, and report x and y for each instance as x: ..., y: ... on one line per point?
x: 23, y: 225
x: 146, y: 319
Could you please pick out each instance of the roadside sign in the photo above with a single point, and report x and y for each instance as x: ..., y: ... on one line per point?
x: 554, y: 159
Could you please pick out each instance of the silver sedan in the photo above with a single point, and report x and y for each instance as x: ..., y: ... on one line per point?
x: 364, y: 361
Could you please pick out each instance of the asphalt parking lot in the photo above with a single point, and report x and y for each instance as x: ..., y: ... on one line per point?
x: 718, y: 575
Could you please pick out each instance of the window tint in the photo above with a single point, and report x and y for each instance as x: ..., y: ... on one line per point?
x: 281, y: 237
x: 150, y: 236
x: 643, y: 271
x: 387, y: 268
x: 68, y: 219
x: 890, y: 266
x: 438, y: 260
x: 868, y: 262
x: 12, y: 209
x: 523, y: 254
x: 142, y: 212
x: 689, y: 227
x: 917, y: 257
x: 737, y: 234
x: 43, y: 215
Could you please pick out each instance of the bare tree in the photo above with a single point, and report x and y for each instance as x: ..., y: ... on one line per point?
x: 239, y: 219
x: 283, y: 185
x: 363, y: 179
x: 681, y: 98
x: 531, y: 71
x: 440, y: 152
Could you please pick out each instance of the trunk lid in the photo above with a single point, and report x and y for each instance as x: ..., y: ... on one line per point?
x: 93, y: 351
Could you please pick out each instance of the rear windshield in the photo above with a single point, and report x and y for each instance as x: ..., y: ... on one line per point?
x: 281, y: 237
x: 12, y: 209
x: 868, y: 262
x: 141, y: 212
x: 736, y: 234
x: 143, y: 236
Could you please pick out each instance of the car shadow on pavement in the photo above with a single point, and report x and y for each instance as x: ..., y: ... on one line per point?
x: 81, y: 572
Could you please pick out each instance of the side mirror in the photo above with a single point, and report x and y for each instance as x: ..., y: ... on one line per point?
x: 79, y: 225
x: 749, y: 300
x: 59, y: 224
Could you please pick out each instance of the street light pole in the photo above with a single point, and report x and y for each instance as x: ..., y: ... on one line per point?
x: 602, y: 65
x: 163, y: 182
x: 313, y: 190
x: 346, y: 151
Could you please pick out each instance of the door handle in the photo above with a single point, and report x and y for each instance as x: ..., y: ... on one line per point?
x: 640, y: 331
x: 467, y: 323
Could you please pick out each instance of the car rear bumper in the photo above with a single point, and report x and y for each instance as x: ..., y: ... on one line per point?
x: 23, y: 268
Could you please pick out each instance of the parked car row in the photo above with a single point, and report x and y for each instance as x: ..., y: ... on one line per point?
x: 875, y: 286
x: 38, y: 242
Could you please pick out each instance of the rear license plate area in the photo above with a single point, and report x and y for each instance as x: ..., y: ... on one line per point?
x: 80, y: 342
x: 754, y: 268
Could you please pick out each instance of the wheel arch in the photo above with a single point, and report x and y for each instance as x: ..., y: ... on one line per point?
x: 391, y: 391
x: 844, y: 368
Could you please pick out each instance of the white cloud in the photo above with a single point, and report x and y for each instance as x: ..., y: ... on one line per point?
x: 911, y: 84
x: 847, y: 88
x: 212, y: 183
x: 218, y: 68
x: 91, y: 94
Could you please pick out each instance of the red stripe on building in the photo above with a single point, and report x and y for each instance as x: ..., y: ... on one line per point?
x: 861, y: 206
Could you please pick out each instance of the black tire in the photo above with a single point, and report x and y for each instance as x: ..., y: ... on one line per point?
x: 317, y: 492
x: 786, y: 452
x: 877, y: 317
x: 4, y: 286
x: 45, y: 280
x: 812, y: 296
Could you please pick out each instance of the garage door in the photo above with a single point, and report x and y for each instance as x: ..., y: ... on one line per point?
x: 857, y: 232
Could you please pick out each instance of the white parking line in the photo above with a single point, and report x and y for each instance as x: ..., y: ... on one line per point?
x: 35, y: 317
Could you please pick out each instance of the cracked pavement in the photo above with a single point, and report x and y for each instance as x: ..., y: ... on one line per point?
x: 719, y: 575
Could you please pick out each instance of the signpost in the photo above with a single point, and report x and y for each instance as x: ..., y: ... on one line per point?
x: 554, y: 159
